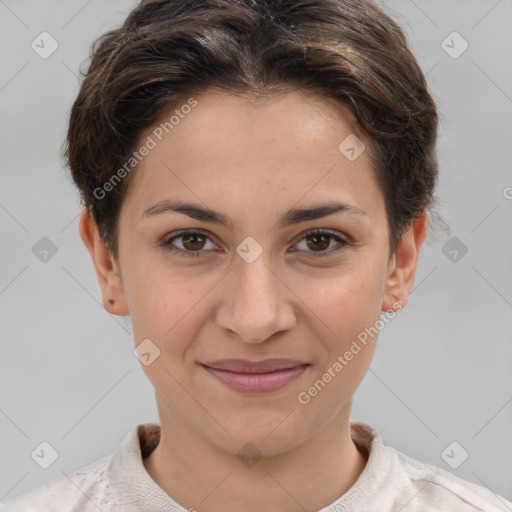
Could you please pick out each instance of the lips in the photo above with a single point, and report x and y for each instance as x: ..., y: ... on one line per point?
x: 255, y: 376
x: 245, y: 366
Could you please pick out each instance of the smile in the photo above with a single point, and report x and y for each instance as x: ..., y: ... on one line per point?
x: 261, y: 377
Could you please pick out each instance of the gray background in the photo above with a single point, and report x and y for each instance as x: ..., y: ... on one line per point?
x: 442, y: 369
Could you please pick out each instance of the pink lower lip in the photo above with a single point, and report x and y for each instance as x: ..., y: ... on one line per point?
x: 257, y: 382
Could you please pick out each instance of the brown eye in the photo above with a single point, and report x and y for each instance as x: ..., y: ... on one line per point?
x: 192, y: 243
x: 318, y: 241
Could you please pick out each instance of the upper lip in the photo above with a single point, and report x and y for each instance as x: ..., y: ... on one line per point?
x: 246, y: 366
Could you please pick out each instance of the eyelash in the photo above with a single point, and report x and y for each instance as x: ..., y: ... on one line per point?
x: 167, y: 243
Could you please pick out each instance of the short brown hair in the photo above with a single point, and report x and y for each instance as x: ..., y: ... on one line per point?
x: 168, y: 50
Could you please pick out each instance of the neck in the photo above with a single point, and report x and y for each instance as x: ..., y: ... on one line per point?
x: 201, y: 476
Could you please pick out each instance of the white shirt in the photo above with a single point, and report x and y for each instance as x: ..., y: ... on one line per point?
x: 390, y: 482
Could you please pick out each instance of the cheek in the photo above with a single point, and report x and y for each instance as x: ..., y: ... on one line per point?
x: 166, y: 311
x: 345, y: 302
x: 347, y: 308
x: 163, y: 303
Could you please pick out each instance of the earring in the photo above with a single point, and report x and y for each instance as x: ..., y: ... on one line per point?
x: 111, y: 301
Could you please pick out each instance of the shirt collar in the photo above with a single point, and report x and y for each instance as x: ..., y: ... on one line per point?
x: 134, y: 489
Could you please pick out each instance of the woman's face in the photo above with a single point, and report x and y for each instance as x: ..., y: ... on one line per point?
x: 258, y: 286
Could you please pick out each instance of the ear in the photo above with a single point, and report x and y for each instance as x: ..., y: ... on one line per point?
x: 403, y: 264
x: 107, y: 269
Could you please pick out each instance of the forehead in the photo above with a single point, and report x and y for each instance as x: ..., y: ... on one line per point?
x: 285, y: 145
x: 290, y: 118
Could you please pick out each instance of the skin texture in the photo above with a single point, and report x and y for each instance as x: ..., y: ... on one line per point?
x: 252, y: 161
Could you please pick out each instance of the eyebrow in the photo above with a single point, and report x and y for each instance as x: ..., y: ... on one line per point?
x: 292, y: 216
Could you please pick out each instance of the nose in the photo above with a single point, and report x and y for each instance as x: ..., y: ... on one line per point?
x: 256, y: 302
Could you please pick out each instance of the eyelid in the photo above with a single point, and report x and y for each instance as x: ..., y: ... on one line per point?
x: 335, y: 235
x: 332, y: 232
x: 168, y: 246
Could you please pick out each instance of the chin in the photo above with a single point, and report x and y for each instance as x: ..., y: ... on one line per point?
x: 263, y: 435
